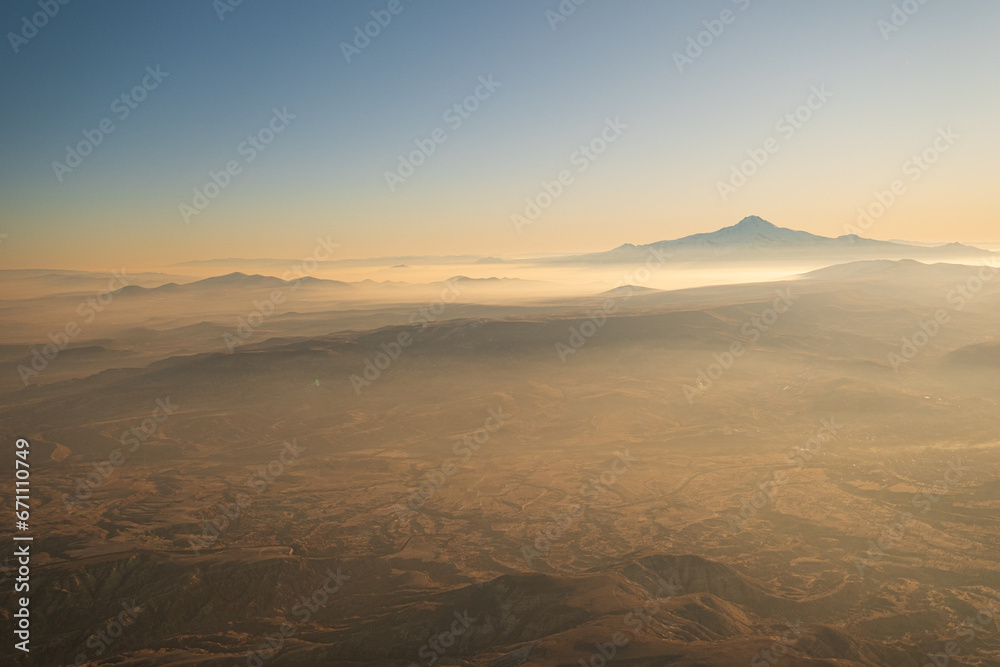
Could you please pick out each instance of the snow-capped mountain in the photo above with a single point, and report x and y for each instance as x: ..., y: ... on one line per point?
x: 756, y: 238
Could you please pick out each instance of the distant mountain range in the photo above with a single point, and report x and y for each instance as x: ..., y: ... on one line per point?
x: 255, y: 282
x: 754, y: 238
x: 235, y: 280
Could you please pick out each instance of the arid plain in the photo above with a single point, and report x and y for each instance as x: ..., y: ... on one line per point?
x: 793, y: 472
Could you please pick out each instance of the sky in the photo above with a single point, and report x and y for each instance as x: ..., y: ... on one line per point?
x: 621, y: 121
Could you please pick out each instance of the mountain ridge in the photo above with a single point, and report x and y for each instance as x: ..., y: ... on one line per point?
x: 754, y: 235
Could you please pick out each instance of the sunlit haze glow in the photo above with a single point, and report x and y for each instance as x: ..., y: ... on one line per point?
x: 324, y: 174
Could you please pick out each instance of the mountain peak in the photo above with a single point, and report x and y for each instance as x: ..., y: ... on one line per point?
x: 755, y: 222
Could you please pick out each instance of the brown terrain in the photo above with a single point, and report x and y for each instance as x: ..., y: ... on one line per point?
x: 556, y: 479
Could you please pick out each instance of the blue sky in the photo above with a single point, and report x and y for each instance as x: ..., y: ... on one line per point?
x: 325, y: 172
